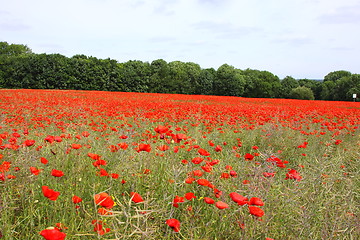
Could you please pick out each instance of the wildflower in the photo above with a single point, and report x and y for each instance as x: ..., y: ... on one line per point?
x: 256, y: 201
x: 57, y: 173
x: 304, y: 145
x: 209, y: 200
x: 197, y: 160
x: 189, y: 180
x: 203, y: 182
x: 98, y: 227
x: 239, y: 199
x: 218, y: 148
x: 190, y: 195
x: 221, y: 205
x: 177, y: 200
x: 337, y: 142
x: 135, y: 197
x: 293, y: 174
x: 174, y: 224
x: 35, y: 171
x: 248, y: 157
x: 52, y: 233
x: 29, y: 143
x: 104, y: 211
x: 161, y: 129
x: 268, y: 174
x: 76, y: 199
x: 43, y: 160
x: 143, y: 147
x: 76, y: 146
x: 115, y: 175
x: 203, y: 152
x: 104, y: 200
x: 50, y: 193
x: 256, y: 211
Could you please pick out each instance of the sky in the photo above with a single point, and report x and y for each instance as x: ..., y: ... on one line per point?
x: 298, y: 38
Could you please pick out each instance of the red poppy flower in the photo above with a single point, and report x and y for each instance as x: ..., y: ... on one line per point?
x: 43, y: 160
x: 10, y: 176
x: 209, y: 200
x: 49, y: 139
x: 104, y: 211
x: 143, y: 147
x: 233, y: 173
x: 177, y: 200
x: 203, y: 152
x: 123, y: 146
x: 189, y: 180
x: 163, y: 148
x: 256, y: 201
x: 225, y: 175
x: 203, y: 182
x: 85, y: 134
x: 115, y: 175
x: 218, y: 148
x: 52, y: 234
x: 304, y: 145
x: 197, y: 160
x: 102, y: 173
x: 207, y: 168
x: 256, y: 211
x: 190, y: 195
x: 76, y: 146
x: 268, y: 174
x: 29, y: 143
x: 135, y: 197
x: 221, y: 205
x: 197, y: 173
x: 57, y: 173
x: 98, y: 227
x: 76, y: 199
x: 35, y: 171
x: 239, y: 199
x: 50, y: 193
x: 104, y: 200
x: 161, y: 129
x: 293, y: 174
x: 174, y: 224
x: 58, y: 139
x: 248, y: 157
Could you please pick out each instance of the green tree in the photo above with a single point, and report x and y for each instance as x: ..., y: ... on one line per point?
x: 287, y: 84
x: 229, y: 81
x: 206, y: 82
x: 302, y: 92
x: 8, y: 56
x: 135, y: 76
x: 333, y: 76
x: 261, y: 84
x: 158, y: 79
x: 13, y: 49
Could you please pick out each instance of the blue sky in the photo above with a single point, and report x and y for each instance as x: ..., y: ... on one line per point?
x: 298, y: 38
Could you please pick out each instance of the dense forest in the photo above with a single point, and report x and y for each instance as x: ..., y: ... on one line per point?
x: 21, y: 68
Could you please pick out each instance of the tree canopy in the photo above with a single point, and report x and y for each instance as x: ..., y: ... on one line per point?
x: 21, y: 68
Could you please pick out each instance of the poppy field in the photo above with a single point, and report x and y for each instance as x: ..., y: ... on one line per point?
x: 114, y: 165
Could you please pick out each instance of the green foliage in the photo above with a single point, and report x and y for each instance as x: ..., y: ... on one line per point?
x: 20, y: 68
x: 302, y: 92
x: 261, y: 84
x: 287, y: 84
x: 229, y: 81
x: 333, y: 76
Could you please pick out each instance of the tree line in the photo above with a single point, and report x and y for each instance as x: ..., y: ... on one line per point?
x: 21, y: 68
